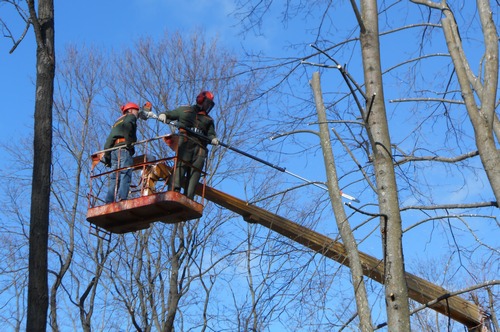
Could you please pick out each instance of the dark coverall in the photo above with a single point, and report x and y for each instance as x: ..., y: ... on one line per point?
x: 204, y: 125
x: 186, y: 116
x: 192, y: 149
x: 123, y: 133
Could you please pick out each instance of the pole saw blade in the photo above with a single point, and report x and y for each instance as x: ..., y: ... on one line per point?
x: 349, y: 197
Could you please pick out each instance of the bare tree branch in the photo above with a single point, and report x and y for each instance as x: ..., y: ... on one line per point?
x: 410, y: 158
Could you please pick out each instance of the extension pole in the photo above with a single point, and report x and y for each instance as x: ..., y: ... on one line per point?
x: 281, y: 169
x: 276, y: 167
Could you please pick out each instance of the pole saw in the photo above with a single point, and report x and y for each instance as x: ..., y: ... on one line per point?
x: 146, y: 113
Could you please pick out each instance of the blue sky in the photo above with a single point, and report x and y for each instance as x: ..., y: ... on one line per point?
x: 109, y: 23
x: 112, y: 24
x: 117, y: 23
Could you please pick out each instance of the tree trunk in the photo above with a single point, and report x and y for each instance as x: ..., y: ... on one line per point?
x: 363, y: 307
x: 396, y: 291
x: 482, y: 116
x: 40, y: 193
x: 173, y: 293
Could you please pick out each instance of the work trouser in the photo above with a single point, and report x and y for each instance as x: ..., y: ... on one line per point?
x: 198, y: 162
x: 189, y: 165
x: 184, y: 156
x: 121, y: 184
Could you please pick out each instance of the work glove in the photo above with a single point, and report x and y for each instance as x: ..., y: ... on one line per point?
x: 106, y: 160
x: 215, y: 141
x: 162, y: 117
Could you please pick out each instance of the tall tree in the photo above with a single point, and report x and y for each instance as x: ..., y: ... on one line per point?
x: 79, y: 81
x: 345, y: 230
x: 221, y: 273
x: 396, y: 291
x: 378, y: 150
x: 168, y: 262
x: 43, y: 27
x: 479, y: 91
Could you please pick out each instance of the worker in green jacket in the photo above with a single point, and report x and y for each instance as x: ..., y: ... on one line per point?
x: 196, y: 130
x: 123, y: 135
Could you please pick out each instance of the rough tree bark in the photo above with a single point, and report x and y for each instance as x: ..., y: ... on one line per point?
x: 364, y: 314
x: 43, y: 26
x: 396, y: 290
x: 479, y: 93
x: 174, y: 295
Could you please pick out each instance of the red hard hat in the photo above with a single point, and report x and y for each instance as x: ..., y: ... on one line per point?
x: 128, y: 106
x: 204, y: 95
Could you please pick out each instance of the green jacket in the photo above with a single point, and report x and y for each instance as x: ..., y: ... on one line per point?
x: 185, y: 115
x: 206, y: 125
x: 124, y: 127
x: 189, y: 118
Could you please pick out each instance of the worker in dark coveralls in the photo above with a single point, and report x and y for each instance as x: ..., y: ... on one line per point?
x: 196, y: 130
x: 123, y: 135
